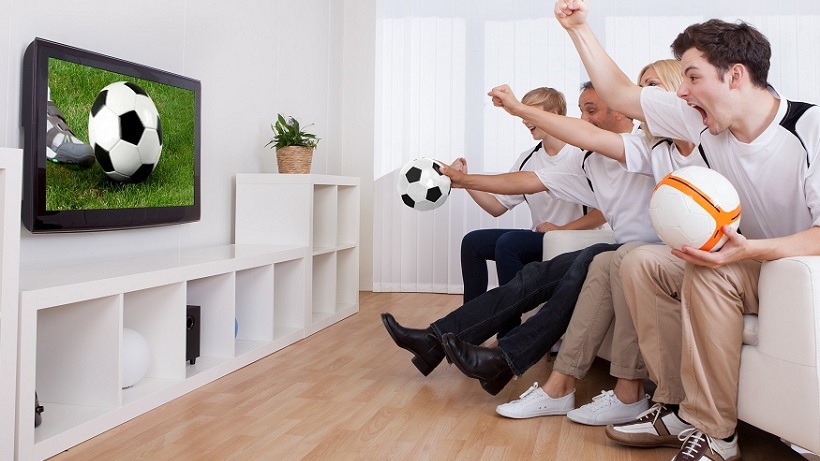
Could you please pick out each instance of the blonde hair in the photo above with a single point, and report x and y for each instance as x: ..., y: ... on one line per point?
x: 669, y: 73
x: 549, y: 99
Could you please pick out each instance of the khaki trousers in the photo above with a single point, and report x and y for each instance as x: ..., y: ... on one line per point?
x: 602, y: 305
x: 714, y: 302
x: 692, y: 315
x: 652, y: 279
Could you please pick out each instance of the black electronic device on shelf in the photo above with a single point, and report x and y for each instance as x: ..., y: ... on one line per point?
x: 192, y: 322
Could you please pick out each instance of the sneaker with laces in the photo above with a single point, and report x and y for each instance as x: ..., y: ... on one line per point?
x: 656, y: 427
x: 698, y: 446
x: 606, y: 408
x: 535, y: 402
x: 62, y: 145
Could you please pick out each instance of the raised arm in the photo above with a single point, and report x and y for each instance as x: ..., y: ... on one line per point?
x: 572, y: 131
x: 609, y: 81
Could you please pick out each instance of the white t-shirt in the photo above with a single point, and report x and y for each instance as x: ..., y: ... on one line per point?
x: 776, y: 175
x: 658, y: 159
x: 543, y: 208
x: 602, y: 183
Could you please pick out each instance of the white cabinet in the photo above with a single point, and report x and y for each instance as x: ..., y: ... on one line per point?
x: 72, y: 319
x: 316, y: 210
x: 10, y: 187
x: 292, y: 272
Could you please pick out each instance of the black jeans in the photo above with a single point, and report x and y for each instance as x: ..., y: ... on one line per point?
x: 556, y: 282
x: 511, y: 249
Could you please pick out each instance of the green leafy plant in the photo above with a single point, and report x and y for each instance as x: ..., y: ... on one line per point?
x: 288, y: 132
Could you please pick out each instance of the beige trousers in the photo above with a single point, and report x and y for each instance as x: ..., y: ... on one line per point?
x: 652, y: 278
x: 706, y: 337
x: 602, y: 305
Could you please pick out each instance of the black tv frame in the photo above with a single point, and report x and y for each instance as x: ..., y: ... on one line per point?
x: 34, y: 97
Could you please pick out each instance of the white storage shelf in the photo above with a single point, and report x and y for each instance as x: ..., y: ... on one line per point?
x: 71, y: 322
x: 10, y: 188
x: 316, y: 210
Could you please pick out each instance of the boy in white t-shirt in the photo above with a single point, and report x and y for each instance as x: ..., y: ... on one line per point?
x: 768, y: 148
x: 512, y: 249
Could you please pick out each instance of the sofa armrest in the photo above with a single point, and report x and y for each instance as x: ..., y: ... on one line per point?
x: 789, y: 314
x: 563, y: 241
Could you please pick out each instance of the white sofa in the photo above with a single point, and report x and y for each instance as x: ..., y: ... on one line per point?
x: 779, y: 388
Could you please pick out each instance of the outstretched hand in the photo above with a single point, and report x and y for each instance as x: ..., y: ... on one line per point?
x: 735, y: 249
x: 503, y: 97
x: 571, y: 13
x: 459, y: 164
x: 456, y: 176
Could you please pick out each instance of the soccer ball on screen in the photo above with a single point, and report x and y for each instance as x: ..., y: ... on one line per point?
x: 691, y: 205
x: 421, y: 184
x: 125, y: 132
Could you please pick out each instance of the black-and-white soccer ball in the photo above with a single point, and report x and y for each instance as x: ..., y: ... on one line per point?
x: 422, y: 186
x: 125, y: 131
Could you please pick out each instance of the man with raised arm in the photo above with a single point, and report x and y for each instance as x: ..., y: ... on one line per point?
x: 768, y: 148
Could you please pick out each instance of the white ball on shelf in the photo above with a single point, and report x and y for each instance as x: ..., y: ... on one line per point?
x: 135, y: 357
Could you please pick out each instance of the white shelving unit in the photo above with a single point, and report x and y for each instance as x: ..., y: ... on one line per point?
x: 293, y: 271
x: 319, y: 211
x: 71, y: 322
x: 10, y: 187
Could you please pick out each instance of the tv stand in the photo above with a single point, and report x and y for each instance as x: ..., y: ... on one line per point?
x: 279, y: 283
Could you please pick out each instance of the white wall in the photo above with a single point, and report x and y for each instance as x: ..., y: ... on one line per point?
x: 485, y: 43
x: 254, y: 58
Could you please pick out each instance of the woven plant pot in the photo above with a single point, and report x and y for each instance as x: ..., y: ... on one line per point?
x: 294, y: 159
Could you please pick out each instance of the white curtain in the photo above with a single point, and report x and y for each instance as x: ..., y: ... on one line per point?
x: 436, y: 60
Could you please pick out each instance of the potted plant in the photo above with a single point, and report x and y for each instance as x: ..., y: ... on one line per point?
x: 294, y: 146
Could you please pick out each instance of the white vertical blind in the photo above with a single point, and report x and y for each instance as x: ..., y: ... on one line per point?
x: 436, y: 60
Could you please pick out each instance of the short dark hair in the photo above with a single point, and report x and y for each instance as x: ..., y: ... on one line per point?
x: 725, y: 44
x: 586, y: 86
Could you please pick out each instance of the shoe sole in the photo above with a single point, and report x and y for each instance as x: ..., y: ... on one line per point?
x: 590, y: 422
x: 492, y: 388
x: 642, y: 440
x: 534, y: 415
x: 422, y: 365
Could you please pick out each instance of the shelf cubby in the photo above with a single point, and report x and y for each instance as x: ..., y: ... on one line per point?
x: 72, y: 318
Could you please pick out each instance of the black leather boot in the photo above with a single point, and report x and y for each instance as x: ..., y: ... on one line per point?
x: 424, y: 344
x: 485, y: 364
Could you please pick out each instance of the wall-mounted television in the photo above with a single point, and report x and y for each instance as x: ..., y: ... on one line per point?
x: 109, y: 144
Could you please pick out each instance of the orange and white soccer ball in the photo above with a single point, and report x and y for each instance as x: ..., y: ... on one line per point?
x: 691, y: 205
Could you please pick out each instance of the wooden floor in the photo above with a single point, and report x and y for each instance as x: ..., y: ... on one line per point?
x: 349, y: 393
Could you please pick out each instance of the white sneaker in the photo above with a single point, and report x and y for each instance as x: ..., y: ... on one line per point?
x: 606, y: 408
x: 535, y: 402
x: 698, y: 446
x: 656, y: 427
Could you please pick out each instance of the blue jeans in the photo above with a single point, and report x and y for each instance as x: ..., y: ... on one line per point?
x: 556, y: 282
x: 511, y: 249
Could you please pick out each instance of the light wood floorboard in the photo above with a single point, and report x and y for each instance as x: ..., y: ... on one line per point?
x: 349, y: 393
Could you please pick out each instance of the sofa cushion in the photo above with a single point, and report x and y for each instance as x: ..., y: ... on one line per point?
x: 750, y: 330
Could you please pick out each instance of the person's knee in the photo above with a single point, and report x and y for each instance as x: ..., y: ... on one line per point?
x: 641, y: 262
x: 471, y: 241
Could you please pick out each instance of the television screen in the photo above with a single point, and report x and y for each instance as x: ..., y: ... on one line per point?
x: 109, y: 144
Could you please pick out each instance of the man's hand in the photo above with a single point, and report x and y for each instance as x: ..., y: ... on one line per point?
x: 571, y: 13
x: 456, y: 176
x: 503, y: 97
x: 735, y: 249
x: 460, y: 164
x: 545, y: 227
